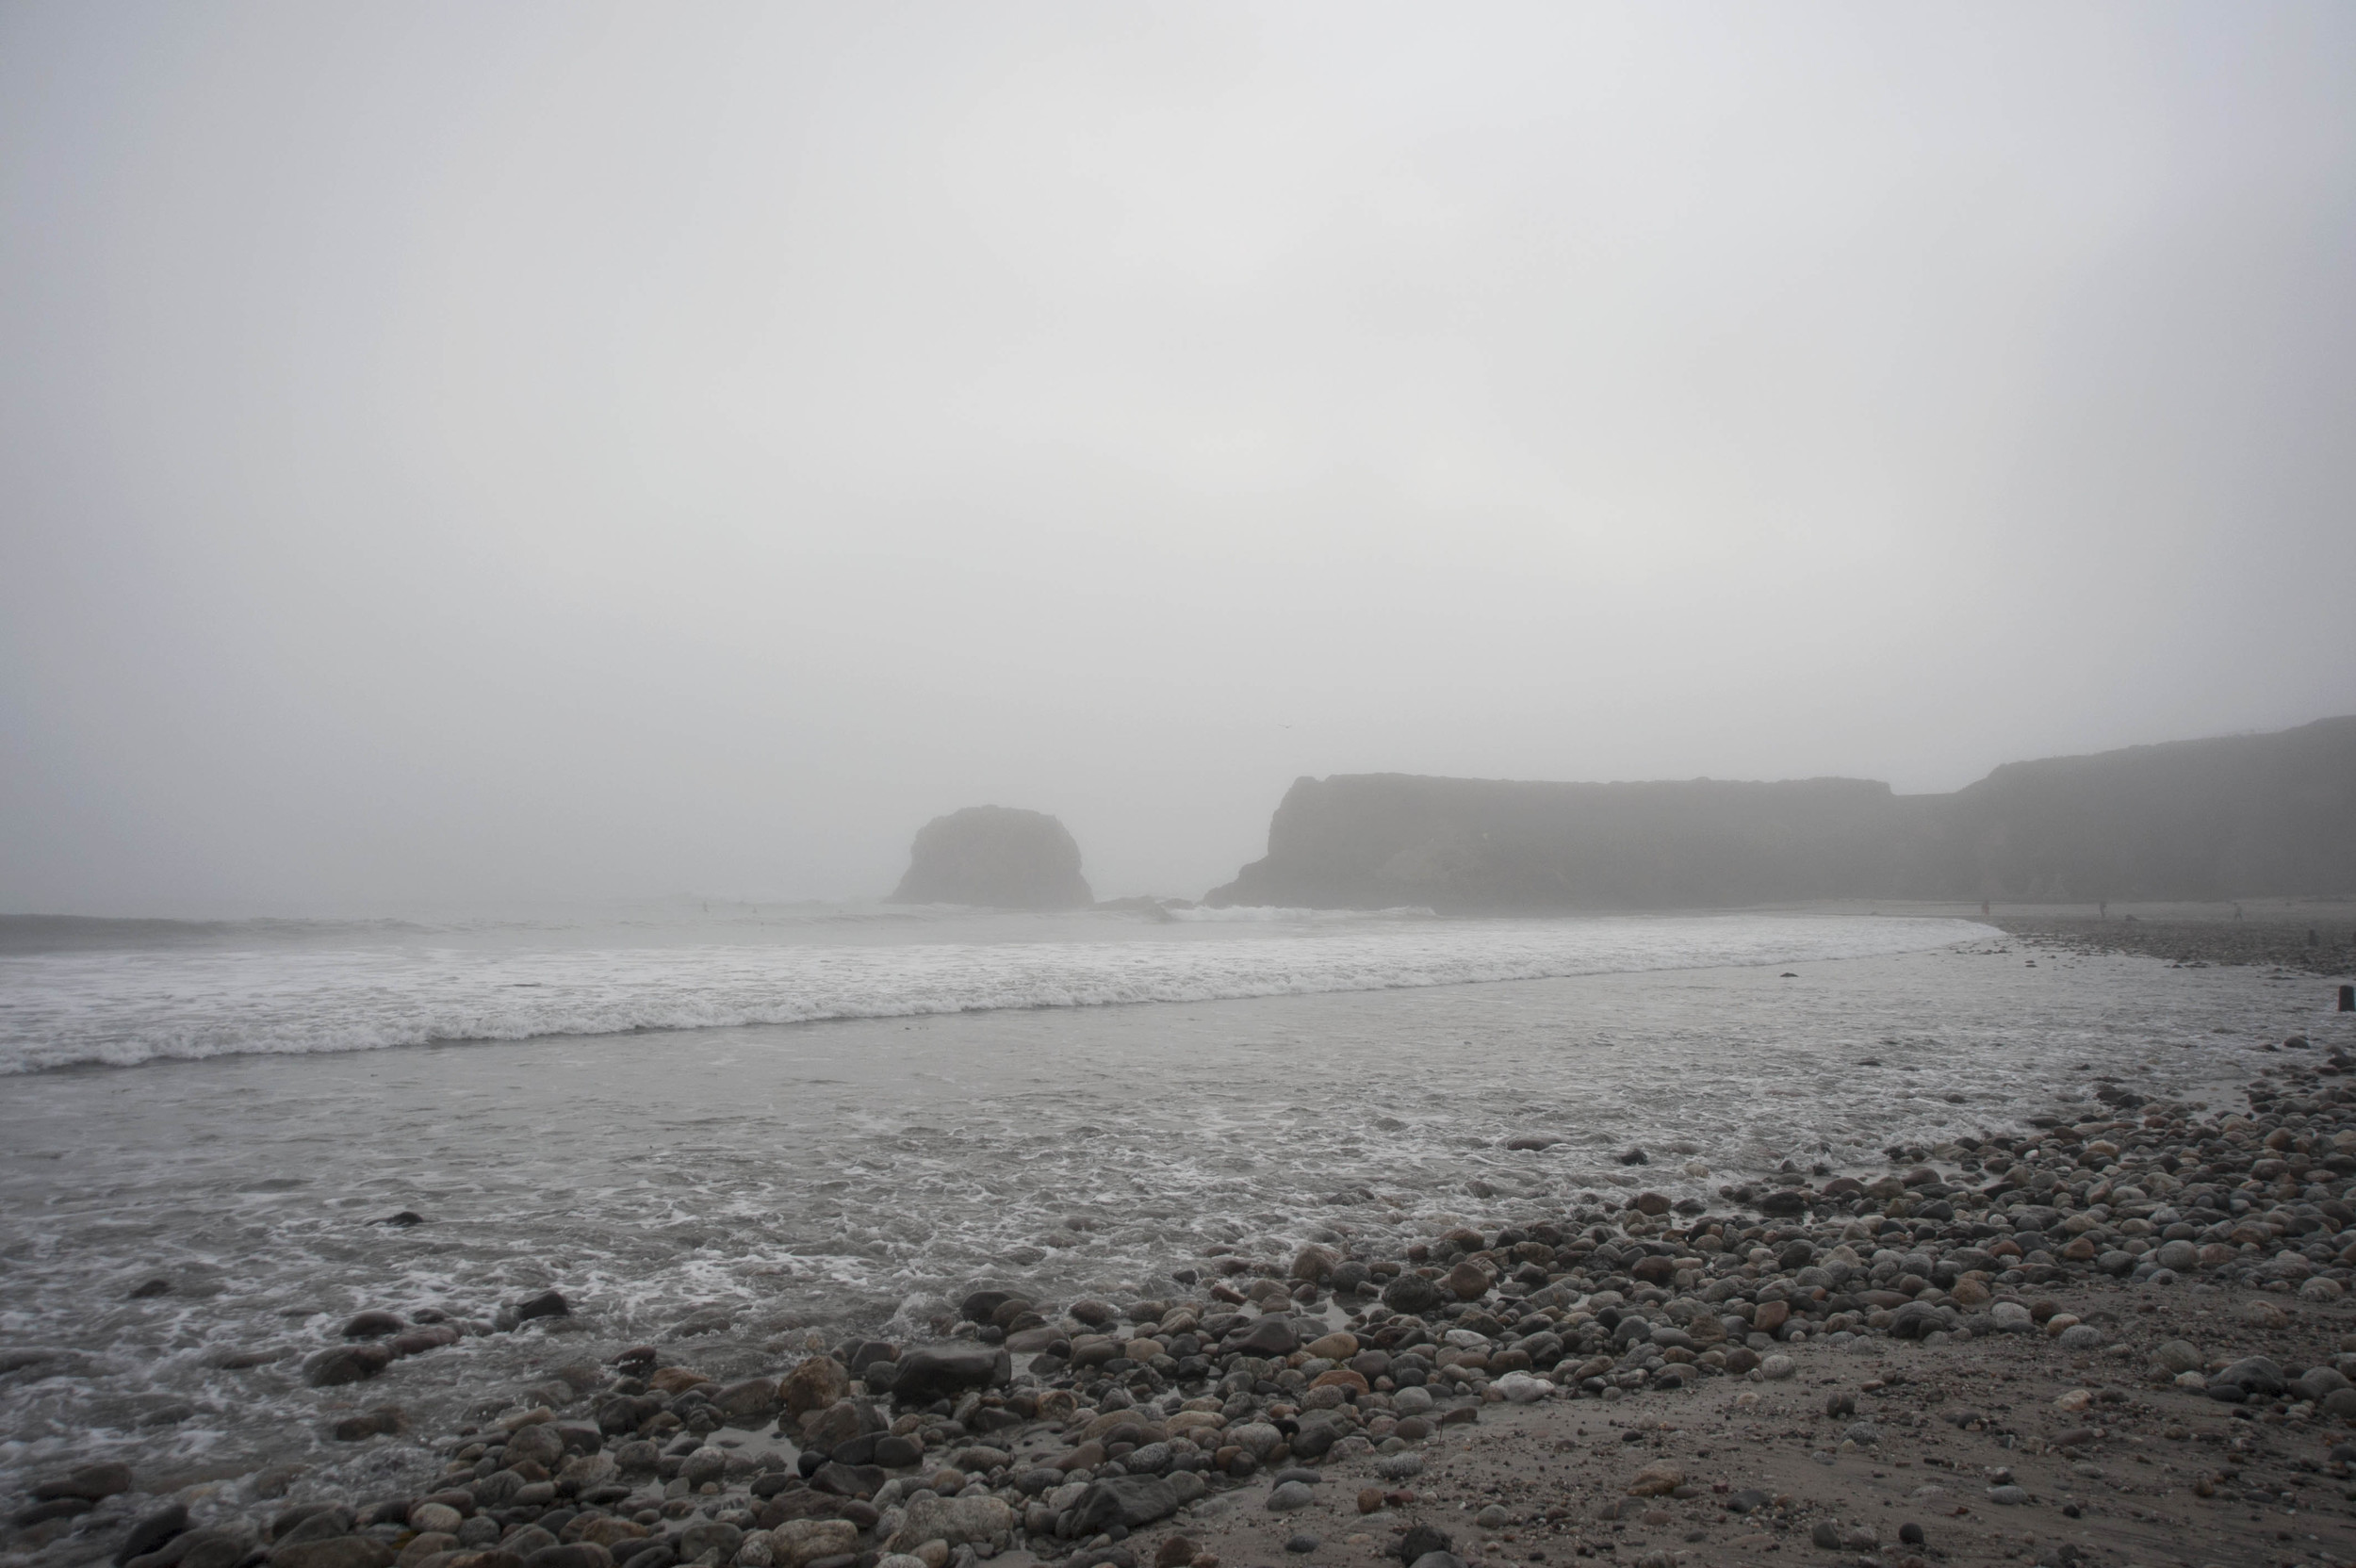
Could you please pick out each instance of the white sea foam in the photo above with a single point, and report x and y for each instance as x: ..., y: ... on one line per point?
x: 1272, y: 914
x: 803, y: 1182
x: 122, y: 1007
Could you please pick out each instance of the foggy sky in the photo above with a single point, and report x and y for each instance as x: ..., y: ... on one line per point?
x: 473, y: 452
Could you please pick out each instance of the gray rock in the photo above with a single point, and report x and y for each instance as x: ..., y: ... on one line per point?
x: 342, y: 1551
x: 2008, y: 1495
x: 540, y: 1443
x: 1290, y: 1495
x: 588, y: 1554
x: 941, y: 1371
x: 1915, y: 1320
x: 346, y: 1363
x: 2252, y: 1375
x: 1421, y: 1541
x: 496, y: 1490
x: 90, y: 1483
x: 849, y: 1480
x: 316, y: 1524
x: 1130, y: 1501
x: 750, y: 1403
x: 151, y: 1530
x: 1412, y: 1293
x: 959, y: 1521
x: 708, y: 1535
x: 214, y: 1546
x: 1274, y: 1335
x: 997, y: 857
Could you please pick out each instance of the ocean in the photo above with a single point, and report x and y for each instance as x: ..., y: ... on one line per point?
x: 736, y: 1133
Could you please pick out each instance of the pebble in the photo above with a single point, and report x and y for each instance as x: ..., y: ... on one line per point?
x: 1150, y: 1403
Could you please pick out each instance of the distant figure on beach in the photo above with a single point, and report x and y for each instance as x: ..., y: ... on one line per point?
x: 1983, y: 906
x: 2237, y: 911
x: 2103, y: 910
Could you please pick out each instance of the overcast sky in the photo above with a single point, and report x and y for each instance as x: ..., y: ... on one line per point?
x: 471, y: 453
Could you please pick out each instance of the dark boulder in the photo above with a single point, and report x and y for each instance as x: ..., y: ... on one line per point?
x: 214, y: 1546
x: 588, y: 1554
x: 152, y: 1531
x: 937, y: 1371
x: 310, y: 1522
x: 346, y: 1363
x: 2252, y: 1375
x: 982, y: 1305
x: 1916, y: 1320
x: 549, y: 1303
x: 383, y: 1421
x: 339, y: 1551
x: 998, y: 856
x: 1421, y: 1540
x: 1412, y: 1293
x: 848, y: 1480
x: 417, y: 1342
x: 1270, y: 1336
x: 1130, y: 1501
x: 750, y: 1403
x: 88, y: 1484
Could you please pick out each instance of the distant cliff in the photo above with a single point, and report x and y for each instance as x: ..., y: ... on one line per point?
x: 994, y: 856
x: 2242, y: 816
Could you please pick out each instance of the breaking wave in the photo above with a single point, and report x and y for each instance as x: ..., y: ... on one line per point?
x: 125, y: 1007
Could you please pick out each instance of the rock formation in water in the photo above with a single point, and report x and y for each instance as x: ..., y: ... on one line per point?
x: 2241, y: 816
x: 997, y: 857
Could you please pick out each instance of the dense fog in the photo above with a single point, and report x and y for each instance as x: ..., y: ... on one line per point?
x: 462, y: 455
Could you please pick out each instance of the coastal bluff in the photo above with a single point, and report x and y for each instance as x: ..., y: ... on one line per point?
x: 997, y: 857
x: 2240, y: 816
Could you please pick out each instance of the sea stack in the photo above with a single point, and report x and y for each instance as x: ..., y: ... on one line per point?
x: 998, y: 856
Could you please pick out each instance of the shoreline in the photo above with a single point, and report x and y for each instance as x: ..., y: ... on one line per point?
x: 2275, y: 941
x: 1530, y: 1366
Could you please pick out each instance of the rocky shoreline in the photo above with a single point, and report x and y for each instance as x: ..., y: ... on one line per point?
x: 2185, y: 1272
x: 2277, y: 942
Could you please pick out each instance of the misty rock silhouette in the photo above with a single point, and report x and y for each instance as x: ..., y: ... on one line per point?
x: 2236, y: 816
x: 996, y: 856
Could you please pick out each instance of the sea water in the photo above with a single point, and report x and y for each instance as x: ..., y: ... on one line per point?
x: 735, y: 1137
